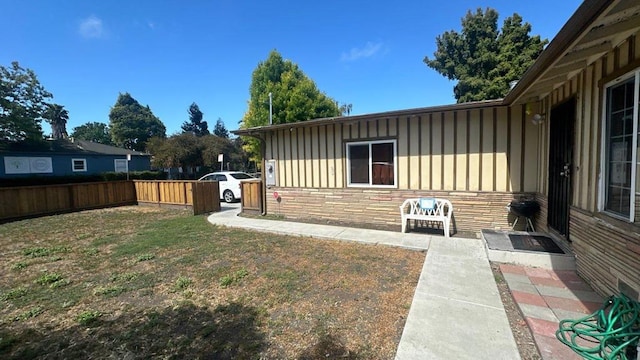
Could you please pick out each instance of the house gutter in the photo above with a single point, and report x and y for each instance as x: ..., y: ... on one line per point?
x: 572, y: 31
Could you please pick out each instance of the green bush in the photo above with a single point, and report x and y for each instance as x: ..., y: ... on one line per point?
x: 75, y: 179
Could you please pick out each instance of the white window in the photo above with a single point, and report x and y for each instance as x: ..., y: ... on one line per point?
x: 372, y: 163
x: 620, y: 139
x: 120, y: 165
x: 78, y: 165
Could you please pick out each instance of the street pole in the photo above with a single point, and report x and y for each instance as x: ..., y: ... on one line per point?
x: 270, y: 109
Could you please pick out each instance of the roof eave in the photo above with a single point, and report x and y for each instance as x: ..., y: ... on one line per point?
x: 255, y: 131
x: 572, y: 31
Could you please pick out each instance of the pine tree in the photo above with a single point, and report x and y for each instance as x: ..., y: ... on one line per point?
x: 482, y: 59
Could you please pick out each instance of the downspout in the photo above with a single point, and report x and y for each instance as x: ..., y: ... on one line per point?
x: 263, y: 176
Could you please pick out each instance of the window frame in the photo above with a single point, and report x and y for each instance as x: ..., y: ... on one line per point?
x: 370, y: 143
x: 605, y: 140
x: 115, y: 166
x: 84, y: 165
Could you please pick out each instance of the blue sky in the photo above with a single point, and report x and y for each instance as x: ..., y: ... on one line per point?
x: 168, y: 54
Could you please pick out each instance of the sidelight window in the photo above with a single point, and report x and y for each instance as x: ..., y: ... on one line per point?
x: 621, y: 141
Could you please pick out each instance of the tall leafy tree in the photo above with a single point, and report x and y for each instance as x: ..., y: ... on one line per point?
x: 93, y: 131
x: 295, y: 97
x: 220, y: 130
x: 482, y: 59
x: 132, y: 124
x: 22, y: 104
x: 181, y: 150
x: 195, y: 125
x: 189, y: 151
x: 57, y: 116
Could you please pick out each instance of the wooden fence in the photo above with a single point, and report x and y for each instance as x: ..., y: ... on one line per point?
x: 29, y: 201
x: 251, y: 196
x: 26, y: 201
x: 202, y: 196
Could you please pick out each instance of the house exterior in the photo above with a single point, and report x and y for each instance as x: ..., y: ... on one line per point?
x: 69, y: 157
x: 566, y: 135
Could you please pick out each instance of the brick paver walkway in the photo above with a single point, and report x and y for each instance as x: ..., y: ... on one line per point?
x: 547, y: 296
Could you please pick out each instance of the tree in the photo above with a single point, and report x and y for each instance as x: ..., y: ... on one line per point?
x: 345, y: 109
x: 57, y: 116
x: 181, y: 150
x: 189, y: 151
x: 22, y: 104
x: 195, y: 125
x: 295, y: 97
x: 93, y: 131
x: 483, y: 60
x: 220, y: 130
x: 132, y: 124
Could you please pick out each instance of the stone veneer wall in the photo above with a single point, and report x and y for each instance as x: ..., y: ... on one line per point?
x: 540, y: 222
x: 605, y: 252
x: 473, y: 211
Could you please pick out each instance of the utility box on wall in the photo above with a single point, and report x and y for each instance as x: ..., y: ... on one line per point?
x: 270, y: 173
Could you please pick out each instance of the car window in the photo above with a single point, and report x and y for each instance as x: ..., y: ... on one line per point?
x: 241, y: 176
x: 209, y: 178
x: 221, y: 177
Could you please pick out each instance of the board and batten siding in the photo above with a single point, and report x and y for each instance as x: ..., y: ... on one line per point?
x: 486, y: 149
x: 607, y: 249
x: 587, y: 87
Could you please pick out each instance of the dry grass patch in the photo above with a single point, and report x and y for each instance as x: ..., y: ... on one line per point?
x: 138, y: 282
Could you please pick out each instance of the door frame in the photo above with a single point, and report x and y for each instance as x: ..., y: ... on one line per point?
x: 557, y: 212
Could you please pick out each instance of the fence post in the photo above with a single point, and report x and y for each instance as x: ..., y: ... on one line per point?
x: 72, y: 200
x: 158, y: 191
x: 184, y: 190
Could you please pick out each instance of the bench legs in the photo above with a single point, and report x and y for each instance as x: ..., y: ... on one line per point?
x: 445, y: 226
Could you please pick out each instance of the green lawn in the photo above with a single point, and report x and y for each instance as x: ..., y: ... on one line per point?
x: 140, y: 282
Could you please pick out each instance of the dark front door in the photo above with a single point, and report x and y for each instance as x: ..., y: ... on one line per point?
x: 561, y: 122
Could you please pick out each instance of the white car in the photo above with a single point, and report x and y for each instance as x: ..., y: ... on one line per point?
x: 229, y: 183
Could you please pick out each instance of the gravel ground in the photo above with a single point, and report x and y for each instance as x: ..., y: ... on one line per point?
x: 521, y: 332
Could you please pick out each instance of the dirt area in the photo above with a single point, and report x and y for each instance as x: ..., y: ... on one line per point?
x: 521, y: 332
x: 141, y: 282
x: 390, y: 227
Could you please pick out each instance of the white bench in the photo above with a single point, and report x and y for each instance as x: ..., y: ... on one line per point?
x: 427, y: 209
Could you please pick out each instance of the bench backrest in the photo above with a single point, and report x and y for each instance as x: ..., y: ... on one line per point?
x: 441, y: 207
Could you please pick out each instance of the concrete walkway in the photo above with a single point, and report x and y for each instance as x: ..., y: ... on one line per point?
x: 456, y: 311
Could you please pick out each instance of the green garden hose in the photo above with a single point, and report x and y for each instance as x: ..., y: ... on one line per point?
x: 610, y: 333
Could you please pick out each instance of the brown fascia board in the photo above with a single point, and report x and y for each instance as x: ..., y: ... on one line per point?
x: 355, y: 118
x: 578, y: 23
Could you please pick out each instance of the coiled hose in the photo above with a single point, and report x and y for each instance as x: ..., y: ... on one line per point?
x: 610, y: 333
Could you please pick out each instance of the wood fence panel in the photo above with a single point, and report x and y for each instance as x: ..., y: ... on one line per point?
x: 251, y: 196
x: 205, y: 197
x: 27, y: 201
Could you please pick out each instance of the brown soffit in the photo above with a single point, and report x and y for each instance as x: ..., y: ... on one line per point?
x: 381, y: 115
x: 579, y: 23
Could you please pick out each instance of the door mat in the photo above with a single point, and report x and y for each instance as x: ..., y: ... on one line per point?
x: 535, y: 243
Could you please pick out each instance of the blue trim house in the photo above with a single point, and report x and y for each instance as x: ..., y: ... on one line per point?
x: 67, y: 158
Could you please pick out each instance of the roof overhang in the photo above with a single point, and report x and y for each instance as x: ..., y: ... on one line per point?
x: 256, y: 131
x: 596, y: 28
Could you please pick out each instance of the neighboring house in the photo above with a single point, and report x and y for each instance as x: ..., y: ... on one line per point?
x: 566, y: 135
x: 69, y: 157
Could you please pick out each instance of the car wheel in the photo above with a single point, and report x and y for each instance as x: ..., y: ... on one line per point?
x: 228, y: 196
